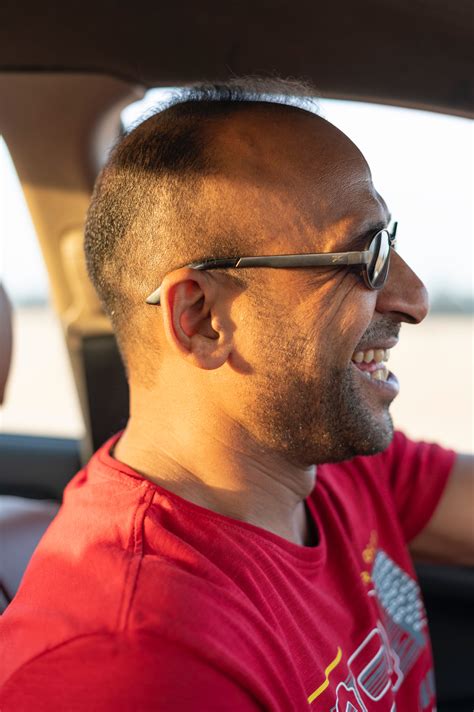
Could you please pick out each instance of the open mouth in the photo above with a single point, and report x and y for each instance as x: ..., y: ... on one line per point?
x: 372, y: 363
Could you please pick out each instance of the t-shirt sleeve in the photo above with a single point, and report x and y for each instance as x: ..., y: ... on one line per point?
x: 418, y: 473
x: 112, y: 673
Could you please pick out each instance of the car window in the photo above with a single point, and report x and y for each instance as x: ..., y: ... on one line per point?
x: 41, y: 397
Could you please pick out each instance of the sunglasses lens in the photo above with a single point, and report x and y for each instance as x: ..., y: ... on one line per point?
x: 377, y: 269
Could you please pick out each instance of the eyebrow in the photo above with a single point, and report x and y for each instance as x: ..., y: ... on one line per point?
x: 362, y: 237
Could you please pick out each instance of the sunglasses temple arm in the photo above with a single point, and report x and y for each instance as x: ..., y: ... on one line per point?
x: 154, y: 297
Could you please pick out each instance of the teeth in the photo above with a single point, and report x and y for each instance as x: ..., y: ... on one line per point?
x: 377, y: 355
x: 381, y: 374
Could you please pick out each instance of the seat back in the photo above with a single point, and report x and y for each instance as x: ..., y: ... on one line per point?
x: 97, y: 365
x: 22, y: 524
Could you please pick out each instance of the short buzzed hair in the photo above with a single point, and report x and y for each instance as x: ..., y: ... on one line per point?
x: 144, y: 218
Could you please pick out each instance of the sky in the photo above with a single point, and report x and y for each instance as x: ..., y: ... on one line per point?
x: 421, y: 162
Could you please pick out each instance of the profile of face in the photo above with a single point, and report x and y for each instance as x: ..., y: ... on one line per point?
x: 300, y: 389
x: 296, y: 357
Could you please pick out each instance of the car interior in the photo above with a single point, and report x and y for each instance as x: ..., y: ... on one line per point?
x: 66, y: 72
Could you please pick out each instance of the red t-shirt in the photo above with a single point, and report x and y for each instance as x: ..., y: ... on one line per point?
x: 139, y: 600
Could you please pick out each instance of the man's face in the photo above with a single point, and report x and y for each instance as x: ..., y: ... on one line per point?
x: 300, y: 391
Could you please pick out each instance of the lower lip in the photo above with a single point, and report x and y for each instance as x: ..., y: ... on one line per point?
x: 390, y: 387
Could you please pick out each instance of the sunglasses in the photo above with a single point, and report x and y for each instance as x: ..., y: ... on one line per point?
x: 373, y: 262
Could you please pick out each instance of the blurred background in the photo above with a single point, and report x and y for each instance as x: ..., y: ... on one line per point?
x: 422, y: 164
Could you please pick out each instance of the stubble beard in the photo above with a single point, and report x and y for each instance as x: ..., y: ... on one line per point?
x: 318, y: 419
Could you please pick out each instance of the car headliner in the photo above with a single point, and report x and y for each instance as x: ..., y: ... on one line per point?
x: 393, y: 51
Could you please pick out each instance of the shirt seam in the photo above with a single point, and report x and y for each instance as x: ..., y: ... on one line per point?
x: 63, y: 643
x: 252, y: 535
x: 135, y: 560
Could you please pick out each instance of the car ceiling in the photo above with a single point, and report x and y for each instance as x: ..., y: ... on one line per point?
x: 410, y: 52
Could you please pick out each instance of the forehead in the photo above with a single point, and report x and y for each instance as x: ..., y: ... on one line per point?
x: 299, y: 177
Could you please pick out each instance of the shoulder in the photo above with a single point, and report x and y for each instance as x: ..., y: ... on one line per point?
x: 408, y: 477
x: 121, y: 672
x: 190, y: 602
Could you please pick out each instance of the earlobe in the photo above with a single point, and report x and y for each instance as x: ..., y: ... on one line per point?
x: 210, y: 353
x: 193, y: 326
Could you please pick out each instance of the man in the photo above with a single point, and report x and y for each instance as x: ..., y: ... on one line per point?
x: 243, y: 544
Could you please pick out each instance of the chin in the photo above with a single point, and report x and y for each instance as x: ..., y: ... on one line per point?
x: 351, y: 437
x: 337, y: 423
x: 353, y: 442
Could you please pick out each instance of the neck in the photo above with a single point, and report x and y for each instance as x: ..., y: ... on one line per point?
x: 211, y: 461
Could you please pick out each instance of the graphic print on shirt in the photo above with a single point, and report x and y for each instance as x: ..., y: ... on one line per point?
x: 381, y: 662
x: 374, y: 676
x: 399, y: 599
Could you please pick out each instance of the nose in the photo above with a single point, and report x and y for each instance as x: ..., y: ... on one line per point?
x: 403, y: 294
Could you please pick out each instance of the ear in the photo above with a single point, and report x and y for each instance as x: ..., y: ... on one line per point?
x: 195, y: 319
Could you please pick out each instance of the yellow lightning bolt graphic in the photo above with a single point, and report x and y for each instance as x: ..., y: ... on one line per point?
x: 327, y: 672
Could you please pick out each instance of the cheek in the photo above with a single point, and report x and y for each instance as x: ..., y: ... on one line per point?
x: 360, y: 313
x: 254, y: 333
x: 304, y: 332
x: 269, y: 342
x: 351, y: 324
x: 338, y: 318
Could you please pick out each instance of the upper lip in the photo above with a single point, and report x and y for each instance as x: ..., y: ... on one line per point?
x: 387, y: 344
